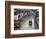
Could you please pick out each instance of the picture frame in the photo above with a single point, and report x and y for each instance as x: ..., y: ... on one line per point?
x: 9, y: 22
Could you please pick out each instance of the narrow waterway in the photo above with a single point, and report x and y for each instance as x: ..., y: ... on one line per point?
x: 25, y: 23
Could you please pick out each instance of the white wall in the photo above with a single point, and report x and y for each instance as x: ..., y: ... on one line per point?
x: 2, y: 20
